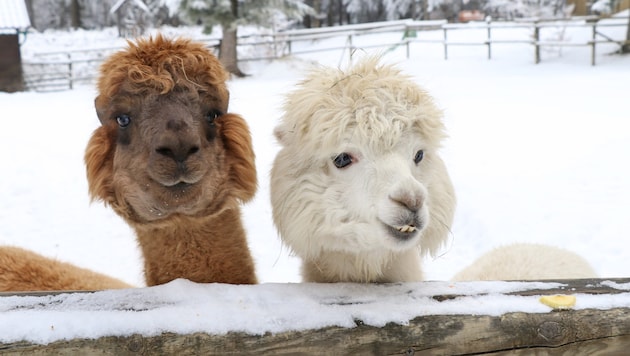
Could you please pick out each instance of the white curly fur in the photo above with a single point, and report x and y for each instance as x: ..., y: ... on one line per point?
x: 525, y: 261
x: 372, y: 220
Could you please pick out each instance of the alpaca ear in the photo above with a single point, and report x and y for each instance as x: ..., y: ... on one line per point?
x: 240, y: 155
x: 99, y: 105
x: 99, y: 164
x: 282, y: 134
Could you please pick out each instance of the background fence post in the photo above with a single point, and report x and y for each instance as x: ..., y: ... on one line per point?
x: 489, y: 38
x: 70, y: 76
x: 445, y: 45
x: 593, y: 43
x: 536, y: 41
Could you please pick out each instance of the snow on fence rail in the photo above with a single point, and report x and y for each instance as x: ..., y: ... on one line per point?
x: 432, y: 318
x: 61, y: 70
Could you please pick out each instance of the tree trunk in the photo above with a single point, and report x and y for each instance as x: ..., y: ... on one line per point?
x: 227, y: 52
x: 31, y: 13
x: 75, y: 14
x: 313, y: 21
x: 626, y: 47
x: 425, y: 10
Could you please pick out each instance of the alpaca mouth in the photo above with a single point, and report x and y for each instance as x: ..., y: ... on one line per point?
x: 404, y: 232
x: 180, y: 185
x: 180, y: 182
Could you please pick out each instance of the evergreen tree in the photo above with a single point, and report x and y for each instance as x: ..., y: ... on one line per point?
x: 229, y: 14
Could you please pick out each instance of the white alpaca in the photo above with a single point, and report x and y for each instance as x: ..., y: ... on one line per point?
x: 527, y: 262
x: 358, y: 190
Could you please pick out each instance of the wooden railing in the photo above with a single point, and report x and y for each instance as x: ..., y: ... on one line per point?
x: 62, y: 70
x: 603, y: 327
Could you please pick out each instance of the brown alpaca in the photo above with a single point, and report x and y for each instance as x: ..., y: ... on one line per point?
x: 172, y: 162
x: 22, y: 270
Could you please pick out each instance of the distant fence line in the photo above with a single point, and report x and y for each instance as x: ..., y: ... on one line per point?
x: 62, y: 70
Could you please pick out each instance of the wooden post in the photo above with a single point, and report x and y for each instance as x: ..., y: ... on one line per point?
x: 536, y: 40
x: 445, y: 45
x: 489, y: 39
x: 593, y: 43
x: 70, y: 76
x: 350, y: 48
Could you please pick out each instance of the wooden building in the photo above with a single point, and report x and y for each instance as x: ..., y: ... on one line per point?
x: 14, y: 22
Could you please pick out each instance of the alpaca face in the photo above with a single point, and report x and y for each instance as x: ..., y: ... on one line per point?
x: 381, y: 197
x: 355, y: 199
x: 359, y: 170
x: 167, y: 153
x: 166, y: 145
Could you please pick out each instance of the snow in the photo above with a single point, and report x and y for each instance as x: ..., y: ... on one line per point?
x: 537, y: 153
x: 185, y: 307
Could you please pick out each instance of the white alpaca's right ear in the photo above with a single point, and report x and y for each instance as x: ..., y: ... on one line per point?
x: 282, y: 134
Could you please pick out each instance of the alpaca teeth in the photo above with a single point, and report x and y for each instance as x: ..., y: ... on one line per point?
x: 407, y: 228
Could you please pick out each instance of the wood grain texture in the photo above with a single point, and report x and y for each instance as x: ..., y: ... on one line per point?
x: 566, y: 332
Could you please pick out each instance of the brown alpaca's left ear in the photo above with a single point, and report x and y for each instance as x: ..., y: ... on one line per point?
x: 99, y: 105
x: 99, y: 164
x: 240, y: 155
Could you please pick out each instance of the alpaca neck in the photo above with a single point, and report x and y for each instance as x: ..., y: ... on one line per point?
x: 204, y: 250
x: 364, y: 267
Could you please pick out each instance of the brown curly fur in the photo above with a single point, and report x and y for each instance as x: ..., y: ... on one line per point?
x: 176, y: 174
x: 22, y: 270
x: 191, y: 229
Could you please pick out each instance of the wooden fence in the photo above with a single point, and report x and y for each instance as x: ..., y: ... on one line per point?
x: 583, y: 331
x: 62, y: 70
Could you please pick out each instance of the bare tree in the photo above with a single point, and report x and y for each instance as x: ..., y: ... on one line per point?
x: 230, y: 14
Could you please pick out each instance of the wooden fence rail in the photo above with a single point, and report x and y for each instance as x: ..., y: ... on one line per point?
x: 555, y: 332
x: 80, y: 65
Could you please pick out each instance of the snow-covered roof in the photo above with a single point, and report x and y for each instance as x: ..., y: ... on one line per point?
x: 13, y: 15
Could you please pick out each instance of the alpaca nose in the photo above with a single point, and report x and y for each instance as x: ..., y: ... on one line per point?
x: 409, y: 193
x: 177, y: 142
x: 179, y: 153
x: 410, y: 200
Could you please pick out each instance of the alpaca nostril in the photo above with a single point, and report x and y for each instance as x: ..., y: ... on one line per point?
x: 165, y: 151
x: 412, y: 203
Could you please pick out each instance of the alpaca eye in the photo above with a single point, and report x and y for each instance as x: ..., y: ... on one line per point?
x: 212, y: 115
x: 342, y: 160
x: 419, y: 156
x: 123, y: 120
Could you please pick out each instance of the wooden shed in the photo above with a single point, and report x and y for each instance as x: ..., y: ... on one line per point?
x: 14, y: 22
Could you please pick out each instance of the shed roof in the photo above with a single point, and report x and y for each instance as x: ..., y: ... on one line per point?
x: 13, y: 15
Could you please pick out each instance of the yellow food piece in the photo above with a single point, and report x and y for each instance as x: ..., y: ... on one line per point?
x: 558, y: 301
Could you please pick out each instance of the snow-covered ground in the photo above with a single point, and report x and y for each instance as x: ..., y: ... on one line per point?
x: 537, y: 153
